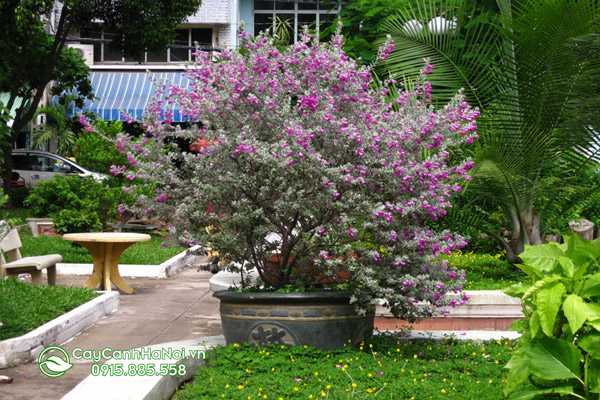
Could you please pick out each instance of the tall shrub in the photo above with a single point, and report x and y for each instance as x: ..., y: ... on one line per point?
x: 305, y: 158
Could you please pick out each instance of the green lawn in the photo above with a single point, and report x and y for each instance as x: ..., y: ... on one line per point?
x: 151, y: 252
x: 25, y: 307
x: 485, y: 271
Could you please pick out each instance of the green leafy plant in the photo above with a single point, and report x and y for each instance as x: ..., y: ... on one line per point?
x: 66, y: 221
x: 560, y: 346
x: 96, y: 152
x: 531, y: 66
x: 69, y: 199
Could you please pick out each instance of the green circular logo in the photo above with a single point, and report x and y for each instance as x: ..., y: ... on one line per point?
x: 54, y: 366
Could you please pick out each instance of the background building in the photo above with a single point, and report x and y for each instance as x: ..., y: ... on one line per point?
x: 121, y: 84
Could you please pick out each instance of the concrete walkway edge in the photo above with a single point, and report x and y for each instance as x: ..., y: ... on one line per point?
x: 145, y: 387
x: 26, y: 348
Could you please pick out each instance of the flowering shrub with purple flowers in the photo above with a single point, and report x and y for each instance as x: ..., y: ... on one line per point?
x: 306, y: 158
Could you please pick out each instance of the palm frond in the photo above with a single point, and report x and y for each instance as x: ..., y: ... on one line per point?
x: 58, y: 126
x: 541, y: 33
x: 416, y: 33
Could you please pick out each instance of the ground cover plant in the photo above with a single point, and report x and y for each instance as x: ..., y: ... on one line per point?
x: 385, y: 367
x: 485, y: 271
x: 152, y: 252
x: 26, y: 307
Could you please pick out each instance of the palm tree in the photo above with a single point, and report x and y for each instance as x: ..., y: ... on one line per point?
x: 58, y: 127
x: 525, y: 70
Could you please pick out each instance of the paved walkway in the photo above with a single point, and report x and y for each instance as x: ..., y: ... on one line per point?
x: 164, y: 310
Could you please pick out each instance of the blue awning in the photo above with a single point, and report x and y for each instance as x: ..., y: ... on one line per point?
x: 129, y: 92
x: 4, y: 99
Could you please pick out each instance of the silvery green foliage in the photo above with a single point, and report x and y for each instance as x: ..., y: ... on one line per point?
x: 300, y: 147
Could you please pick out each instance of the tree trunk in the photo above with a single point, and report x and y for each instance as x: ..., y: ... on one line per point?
x: 516, y: 238
x: 25, y: 112
x: 528, y: 234
x: 583, y: 228
x: 531, y: 227
x: 7, y: 170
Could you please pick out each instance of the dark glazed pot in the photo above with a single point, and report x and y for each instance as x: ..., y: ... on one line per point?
x: 322, y: 319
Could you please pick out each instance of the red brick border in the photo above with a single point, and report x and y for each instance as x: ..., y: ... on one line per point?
x: 447, y: 324
x: 47, y: 230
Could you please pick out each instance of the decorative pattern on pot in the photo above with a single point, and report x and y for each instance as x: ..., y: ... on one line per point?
x: 271, y: 333
x: 322, y: 319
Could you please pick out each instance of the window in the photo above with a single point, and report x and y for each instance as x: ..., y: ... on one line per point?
x: 286, y: 18
x: 46, y: 164
x: 21, y: 161
x: 180, y: 51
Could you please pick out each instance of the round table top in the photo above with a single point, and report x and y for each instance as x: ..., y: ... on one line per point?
x: 107, y: 237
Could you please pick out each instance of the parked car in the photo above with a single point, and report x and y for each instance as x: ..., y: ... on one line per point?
x: 34, y: 166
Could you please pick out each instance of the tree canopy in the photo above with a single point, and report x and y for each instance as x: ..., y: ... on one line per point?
x: 33, y: 34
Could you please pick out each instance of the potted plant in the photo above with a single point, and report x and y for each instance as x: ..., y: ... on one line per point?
x: 308, y: 164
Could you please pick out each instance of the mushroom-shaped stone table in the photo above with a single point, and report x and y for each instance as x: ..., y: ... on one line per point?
x: 106, y: 249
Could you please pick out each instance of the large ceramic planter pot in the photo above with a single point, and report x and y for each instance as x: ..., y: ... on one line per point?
x: 322, y: 319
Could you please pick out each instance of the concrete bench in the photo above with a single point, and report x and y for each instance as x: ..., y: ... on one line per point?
x: 10, y: 246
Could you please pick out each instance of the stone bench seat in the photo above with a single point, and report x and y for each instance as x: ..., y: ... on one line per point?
x: 33, y: 265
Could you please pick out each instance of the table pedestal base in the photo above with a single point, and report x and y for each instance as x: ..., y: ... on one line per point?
x: 106, y: 266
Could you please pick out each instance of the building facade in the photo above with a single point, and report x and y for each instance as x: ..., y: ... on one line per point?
x: 122, y: 85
